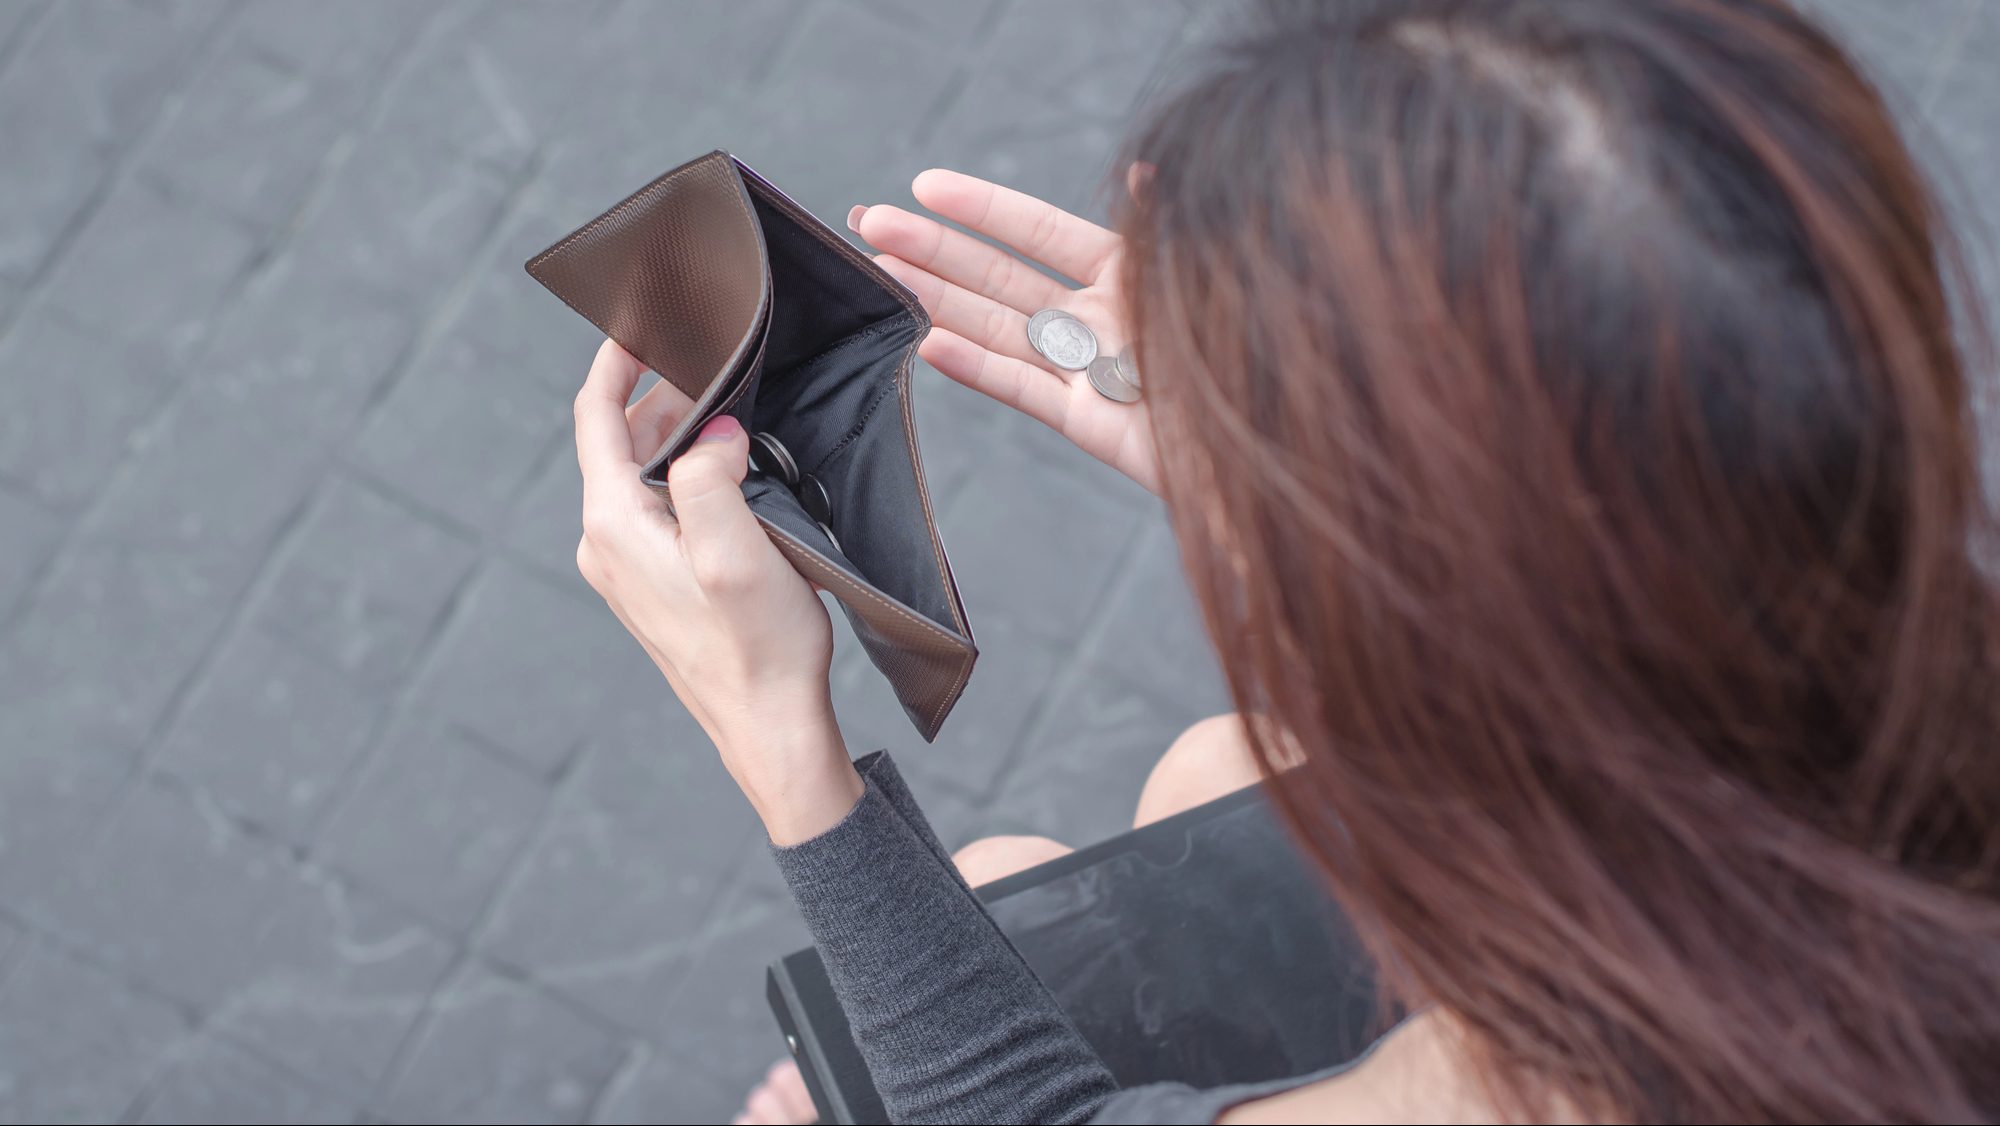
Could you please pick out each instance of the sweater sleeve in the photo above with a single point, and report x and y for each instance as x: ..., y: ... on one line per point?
x: 953, y: 1024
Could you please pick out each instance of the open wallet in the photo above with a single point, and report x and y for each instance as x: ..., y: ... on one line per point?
x: 735, y: 294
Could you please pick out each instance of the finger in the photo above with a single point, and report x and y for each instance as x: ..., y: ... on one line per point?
x: 1042, y: 231
x: 718, y: 532
x: 654, y: 416
x: 974, y: 316
x: 603, y: 439
x: 958, y: 258
x: 798, y: 1105
x: 1034, y: 392
x: 790, y: 1085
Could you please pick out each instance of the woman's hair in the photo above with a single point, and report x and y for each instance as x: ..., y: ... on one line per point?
x: 1559, y: 409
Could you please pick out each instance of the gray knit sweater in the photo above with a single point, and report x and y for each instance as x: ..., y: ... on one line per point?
x: 953, y: 1024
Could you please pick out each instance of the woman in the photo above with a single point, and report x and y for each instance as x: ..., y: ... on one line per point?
x: 1558, y: 411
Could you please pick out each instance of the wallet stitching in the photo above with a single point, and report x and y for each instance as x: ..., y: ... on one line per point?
x: 867, y: 413
x: 965, y: 659
x: 957, y: 687
x: 868, y: 592
x: 859, y: 334
x: 902, y: 384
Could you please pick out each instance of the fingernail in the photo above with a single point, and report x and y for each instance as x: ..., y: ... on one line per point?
x: 854, y: 218
x: 721, y: 429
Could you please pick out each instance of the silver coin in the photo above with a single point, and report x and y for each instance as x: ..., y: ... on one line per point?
x: 1128, y: 365
x: 1104, y: 376
x: 770, y: 456
x: 1062, y: 340
x: 830, y: 537
x: 814, y: 499
x: 1040, y: 321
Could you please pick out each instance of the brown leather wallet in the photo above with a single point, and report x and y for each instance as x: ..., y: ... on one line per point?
x: 735, y: 294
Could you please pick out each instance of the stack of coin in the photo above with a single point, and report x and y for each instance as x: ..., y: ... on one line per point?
x: 1104, y: 376
x: 1069, y: 344
x: 1128, y: 367
x: 1062, y: 340
x: 769, y: 456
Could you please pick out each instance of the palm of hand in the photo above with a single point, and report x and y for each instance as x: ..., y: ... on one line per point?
x: 1118, y: 434
x: 980, y: 299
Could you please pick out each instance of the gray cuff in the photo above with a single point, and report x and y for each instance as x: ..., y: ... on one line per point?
x: 850, y: 849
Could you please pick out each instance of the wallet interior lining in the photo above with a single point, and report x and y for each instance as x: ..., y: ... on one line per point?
x: 832, y: 355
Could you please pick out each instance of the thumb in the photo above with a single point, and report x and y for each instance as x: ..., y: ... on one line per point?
x: 718, y: 531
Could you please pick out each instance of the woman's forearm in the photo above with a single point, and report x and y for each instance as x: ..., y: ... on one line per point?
x: 953, y: 1024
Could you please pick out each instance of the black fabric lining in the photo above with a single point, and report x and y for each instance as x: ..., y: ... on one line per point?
x: 777, y: 384
x: 867, y: 413
x: 818, y: 298
x: 859, y: 452
x: 855, y: 337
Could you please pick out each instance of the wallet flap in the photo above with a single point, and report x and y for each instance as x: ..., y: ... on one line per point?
x: 676, y: 274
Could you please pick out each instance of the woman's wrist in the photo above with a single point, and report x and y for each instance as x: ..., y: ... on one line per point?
x: 802, y: 806
x: 797, y: 776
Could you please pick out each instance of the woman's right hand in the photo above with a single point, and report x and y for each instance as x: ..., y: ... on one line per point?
x: 980, y: 298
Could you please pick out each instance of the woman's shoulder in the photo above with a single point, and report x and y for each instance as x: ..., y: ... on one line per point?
x: 1417, y: 1072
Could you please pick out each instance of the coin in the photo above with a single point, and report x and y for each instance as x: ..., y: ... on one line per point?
x: 1128, y: 365
x: 813, y: 498
x: 830, y: 537
x: 770, y: 456
x: 1040, y: 321
x: 1062, y: 340
x: 1104, y: 376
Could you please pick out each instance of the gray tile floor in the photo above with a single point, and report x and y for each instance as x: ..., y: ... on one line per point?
x: 327, y: 791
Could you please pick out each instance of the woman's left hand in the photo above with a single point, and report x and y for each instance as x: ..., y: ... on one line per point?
x: 741, y: 637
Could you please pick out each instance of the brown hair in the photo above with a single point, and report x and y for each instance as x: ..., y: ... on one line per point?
x: 1563, y: 426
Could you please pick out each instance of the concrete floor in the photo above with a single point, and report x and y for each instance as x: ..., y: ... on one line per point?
x: 327, y: 790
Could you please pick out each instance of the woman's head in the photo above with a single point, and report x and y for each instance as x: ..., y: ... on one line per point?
x: 1563, y: 423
